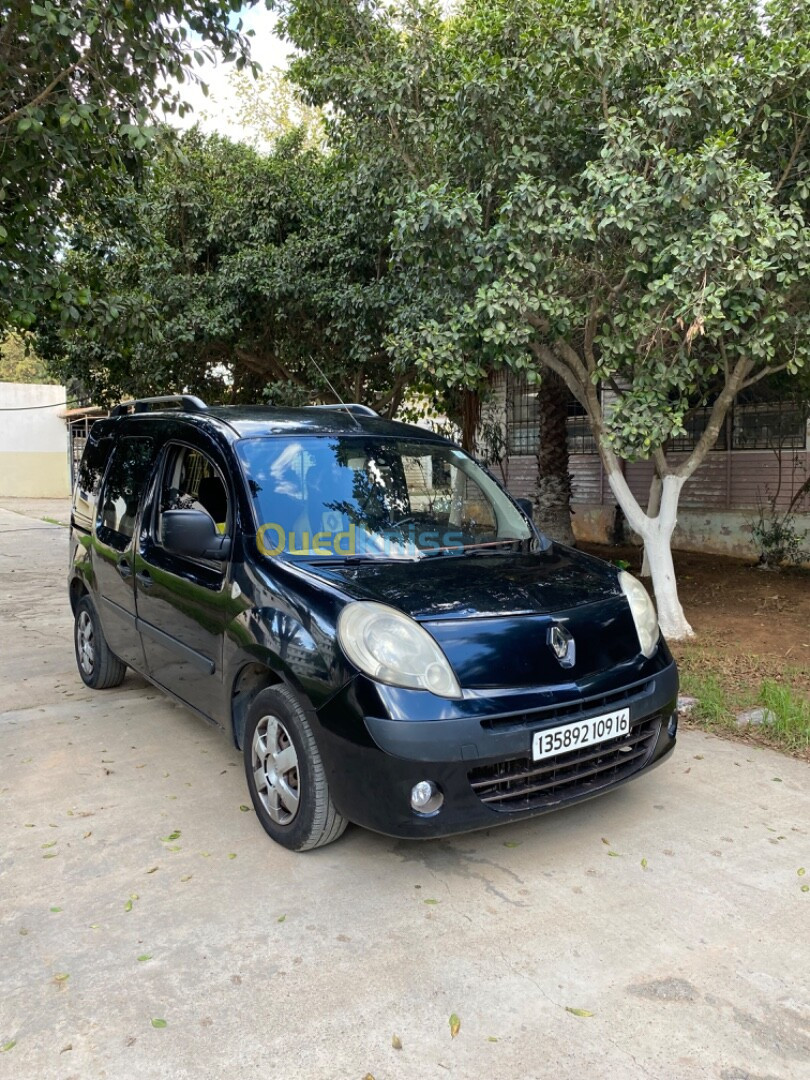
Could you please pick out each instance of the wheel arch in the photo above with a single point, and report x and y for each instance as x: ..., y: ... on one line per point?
x: 77, y: 589
x: 248, y: 682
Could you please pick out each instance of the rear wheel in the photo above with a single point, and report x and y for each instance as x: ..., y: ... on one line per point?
x: 98, y: 667
x: 285, y: 773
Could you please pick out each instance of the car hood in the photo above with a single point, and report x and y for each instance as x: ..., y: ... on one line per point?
x: 485, y: 585
x: 492, y: 614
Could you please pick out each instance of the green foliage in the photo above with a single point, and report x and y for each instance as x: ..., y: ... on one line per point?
x: 621, y: 189
x: 82, y: 85
x: 228, y: 272
x: 268, y: 107
x: 777, y: 538
x: 19, y: 362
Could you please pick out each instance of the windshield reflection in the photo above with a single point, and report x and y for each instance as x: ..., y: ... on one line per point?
x: 359, y: 497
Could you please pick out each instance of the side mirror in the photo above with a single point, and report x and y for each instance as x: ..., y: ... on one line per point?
x: 194, y: 533
x: 527, y: 508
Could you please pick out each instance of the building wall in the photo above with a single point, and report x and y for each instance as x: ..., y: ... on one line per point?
x: 33, y: 442
x: 717, y: 503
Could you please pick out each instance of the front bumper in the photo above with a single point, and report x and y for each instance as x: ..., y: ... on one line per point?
x: 480, y: 755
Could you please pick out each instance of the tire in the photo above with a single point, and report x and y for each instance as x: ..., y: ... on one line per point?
x: 285, y: 773
x: 98, y: 667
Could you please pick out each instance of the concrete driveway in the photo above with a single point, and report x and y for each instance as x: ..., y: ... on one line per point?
x: 660, y: 931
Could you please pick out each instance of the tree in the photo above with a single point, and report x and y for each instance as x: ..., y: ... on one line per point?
x: 268, y: 107
x: 231, y: 273
x: 625, y: 187
x: 19, y: 362
x: 82, y: 84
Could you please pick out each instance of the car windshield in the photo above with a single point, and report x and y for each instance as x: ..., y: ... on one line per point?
x: 359, y: 497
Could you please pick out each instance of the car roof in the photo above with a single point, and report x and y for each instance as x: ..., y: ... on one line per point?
x: 252, y: 421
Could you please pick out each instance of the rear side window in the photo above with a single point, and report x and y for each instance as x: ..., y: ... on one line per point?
x: 94, y: 461
x: 127, y: 477
x: 88, y: 479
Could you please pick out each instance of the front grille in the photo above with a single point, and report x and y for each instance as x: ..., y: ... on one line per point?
x: 524, y: 784
x: 580, y: 707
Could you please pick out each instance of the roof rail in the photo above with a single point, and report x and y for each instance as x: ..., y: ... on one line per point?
x: 185, y: 403
x: 355, y: 410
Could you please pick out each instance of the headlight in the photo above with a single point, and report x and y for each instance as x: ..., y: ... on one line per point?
x: 394, y: 649
x: 644, y: 615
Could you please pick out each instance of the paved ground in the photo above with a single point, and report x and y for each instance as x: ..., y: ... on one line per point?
x: 304, y: 966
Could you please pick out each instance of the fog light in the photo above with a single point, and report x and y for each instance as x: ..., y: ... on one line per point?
x: 426, y: 798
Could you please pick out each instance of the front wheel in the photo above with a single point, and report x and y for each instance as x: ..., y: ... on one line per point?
x: 285, y: 774
x: 98, y: 667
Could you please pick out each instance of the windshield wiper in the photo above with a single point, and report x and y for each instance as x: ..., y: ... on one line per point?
x: 348, y: 560
x: 496, y: 547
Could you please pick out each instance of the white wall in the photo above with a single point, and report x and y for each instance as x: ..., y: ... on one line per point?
x: 33, y: 441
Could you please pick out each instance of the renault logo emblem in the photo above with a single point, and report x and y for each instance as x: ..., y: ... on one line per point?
x: 563, y: 645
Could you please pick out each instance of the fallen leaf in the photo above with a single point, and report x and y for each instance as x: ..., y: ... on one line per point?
x: 396, y: 1042
x: 511, y: 843
x: 614, y: 854
x: 51, y: 843
x: 173, y: 847
x: 206, y: 854
x: 777, y: 779
x: 801, y: 871
x: 805, y: 888
x: 187, y: 877
x: 154, y: 868
x: 157, y: 1022
x: 281, y: 918
x: 63, y: 976
x: 430, y: 901
x: 232, y: 855
x: 244, y: 809
x: 8, y: 1046
x: 577, y: 1012
x: 128, y: 906
x: 455, y: 1025
x: 134, y: 896
x: 172, y: 836
x: 56, y: 909
x: 605, y: 841
x: 492, y: 1038
x: 65, y: 1049
x: 144, y: 957
x: 643, y: 864
x: 50, y: 855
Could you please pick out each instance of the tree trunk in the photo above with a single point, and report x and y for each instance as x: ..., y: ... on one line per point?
x: 553, y: 498
x: 657, y: 536
x: 653, y: 506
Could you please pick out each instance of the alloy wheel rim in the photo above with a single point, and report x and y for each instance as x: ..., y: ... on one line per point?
x: 275, y: 770
x: 85, y: 643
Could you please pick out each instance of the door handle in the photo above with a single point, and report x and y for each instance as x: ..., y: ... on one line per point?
x: 124, y: 569
x: 144, y: 579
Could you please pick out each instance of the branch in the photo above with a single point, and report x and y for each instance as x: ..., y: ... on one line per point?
x: 661, y: 463
x: 549, y: 360
x: 764, y: 374
x: 716, y: 417
x: 792, y: 159
x: 41, y: 96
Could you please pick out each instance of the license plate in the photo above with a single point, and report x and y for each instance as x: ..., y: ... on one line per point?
x: 597, y: 729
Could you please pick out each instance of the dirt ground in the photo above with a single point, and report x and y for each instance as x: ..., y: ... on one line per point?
x: 750, y: 624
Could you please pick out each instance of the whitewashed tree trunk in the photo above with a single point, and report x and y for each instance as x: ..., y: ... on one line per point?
x: 653, y: 506
x: 656, y: 532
